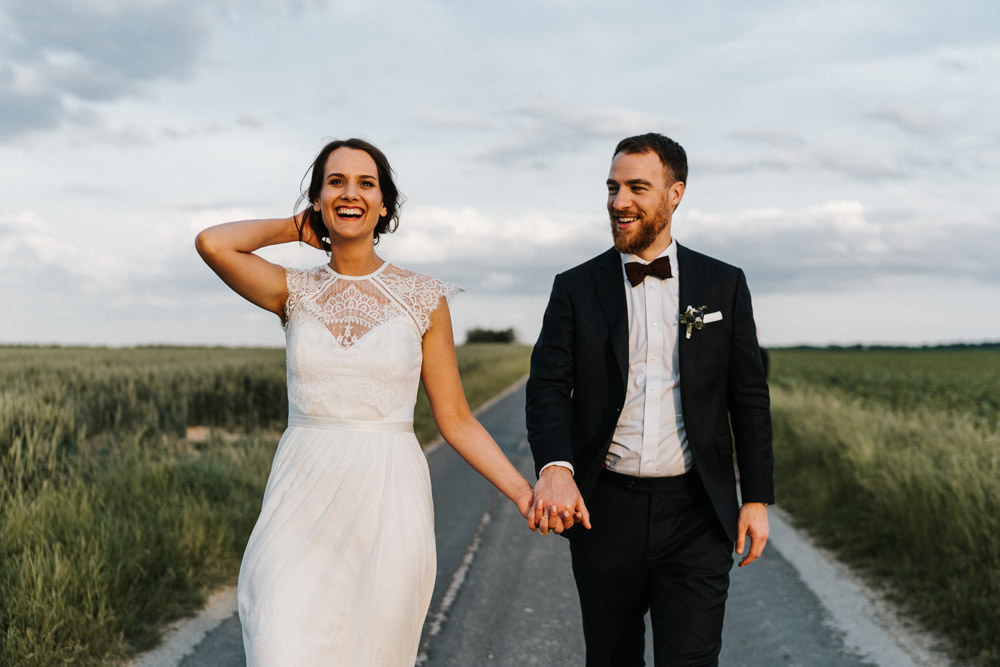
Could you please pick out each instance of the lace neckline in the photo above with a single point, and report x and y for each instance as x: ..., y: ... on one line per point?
x: 344, y: 276
x: 351, y: 306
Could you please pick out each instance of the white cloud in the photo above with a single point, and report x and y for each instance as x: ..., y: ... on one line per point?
x: 839, y: 149
x: 839, y: 244
x: 58, y: 55
x: 60, y: 61
x: 890, y: 312
x: 912, y: 119
x: 38, y: 253
x: 769, y: 136
x: 514, y: 255
x: 26, y: 239
x: 536, y: 135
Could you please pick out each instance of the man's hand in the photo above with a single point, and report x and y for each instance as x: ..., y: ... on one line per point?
x: 558, y: 503
x: 752, y: 522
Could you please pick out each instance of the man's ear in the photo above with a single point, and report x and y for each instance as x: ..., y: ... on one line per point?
x: 676, y: 193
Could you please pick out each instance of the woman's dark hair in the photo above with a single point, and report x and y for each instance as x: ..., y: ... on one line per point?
x: 391, y: 196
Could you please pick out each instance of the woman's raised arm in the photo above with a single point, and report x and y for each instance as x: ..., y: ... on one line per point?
x: 229, y: 250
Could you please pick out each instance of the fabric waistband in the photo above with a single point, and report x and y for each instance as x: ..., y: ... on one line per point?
x: 689, y: 481
x: 336, y: 424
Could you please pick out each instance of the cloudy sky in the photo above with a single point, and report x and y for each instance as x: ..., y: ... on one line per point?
x: 845, y: 154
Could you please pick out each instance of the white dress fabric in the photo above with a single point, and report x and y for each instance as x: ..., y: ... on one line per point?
x: 340, y: 566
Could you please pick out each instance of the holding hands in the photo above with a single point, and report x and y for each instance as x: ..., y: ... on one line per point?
x: 557, y: 503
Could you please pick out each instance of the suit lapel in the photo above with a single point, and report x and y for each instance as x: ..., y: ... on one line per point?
x: 692, y: 280
x: 609, y: 284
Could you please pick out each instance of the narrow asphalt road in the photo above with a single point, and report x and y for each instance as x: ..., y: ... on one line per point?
x: 505, y: 596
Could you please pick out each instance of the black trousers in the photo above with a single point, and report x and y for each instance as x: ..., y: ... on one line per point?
x: 656, y: 545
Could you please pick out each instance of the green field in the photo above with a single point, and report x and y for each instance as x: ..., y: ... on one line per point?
x: 891, y: 458
x: 112, y: 521
x: 962, y: 381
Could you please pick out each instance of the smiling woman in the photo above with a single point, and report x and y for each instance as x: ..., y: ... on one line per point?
x: 328, y: 181
x: 345, y: 537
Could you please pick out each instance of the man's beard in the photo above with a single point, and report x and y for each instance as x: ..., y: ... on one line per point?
x: 635, y: 240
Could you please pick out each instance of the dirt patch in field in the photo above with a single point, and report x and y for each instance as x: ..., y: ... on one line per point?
x: 205, y: 433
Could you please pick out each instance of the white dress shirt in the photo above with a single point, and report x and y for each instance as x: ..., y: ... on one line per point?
x: 650, y: 440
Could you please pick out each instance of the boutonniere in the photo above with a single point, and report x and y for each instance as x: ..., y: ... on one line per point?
x: 696, y: 318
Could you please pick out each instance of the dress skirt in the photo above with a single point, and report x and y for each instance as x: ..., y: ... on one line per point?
x: 340, y: 566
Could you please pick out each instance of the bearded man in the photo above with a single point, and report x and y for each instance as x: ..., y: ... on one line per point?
x: 645, y: 379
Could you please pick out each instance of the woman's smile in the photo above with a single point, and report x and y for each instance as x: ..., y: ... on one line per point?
x: 351, y: 199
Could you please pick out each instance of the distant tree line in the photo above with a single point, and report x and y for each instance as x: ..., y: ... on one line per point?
x: 479, y: 335
x: 942, y: 346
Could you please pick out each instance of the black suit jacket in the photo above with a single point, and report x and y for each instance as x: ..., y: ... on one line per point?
x: 576, y: 389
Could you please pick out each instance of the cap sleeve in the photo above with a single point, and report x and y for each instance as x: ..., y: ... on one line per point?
x: 432, y: 292
x: 419, y: 294
x: 295, y: 282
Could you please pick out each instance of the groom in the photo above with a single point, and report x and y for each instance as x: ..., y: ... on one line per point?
x: 645, y: 378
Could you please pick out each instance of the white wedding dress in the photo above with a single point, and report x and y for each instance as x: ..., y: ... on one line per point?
x: 340, y: 566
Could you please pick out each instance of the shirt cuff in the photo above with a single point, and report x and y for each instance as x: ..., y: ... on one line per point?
x: 562, y: 464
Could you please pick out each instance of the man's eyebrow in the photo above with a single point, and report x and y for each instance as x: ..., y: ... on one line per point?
x: 632, y: 182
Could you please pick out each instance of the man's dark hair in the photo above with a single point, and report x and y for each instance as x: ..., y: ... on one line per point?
x: 670, y: 152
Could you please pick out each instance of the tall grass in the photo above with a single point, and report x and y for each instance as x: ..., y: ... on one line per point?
x: 111, y: 522
x: 877, y: 458
x: 66, y: 395
x: 97, y: 558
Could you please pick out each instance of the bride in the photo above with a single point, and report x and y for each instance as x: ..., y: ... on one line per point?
x: 340, y: 565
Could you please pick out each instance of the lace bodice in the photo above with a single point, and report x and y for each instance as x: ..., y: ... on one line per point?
x: 353, y: 343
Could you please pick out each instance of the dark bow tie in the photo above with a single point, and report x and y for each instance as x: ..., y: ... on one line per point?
x: 636, y: 271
